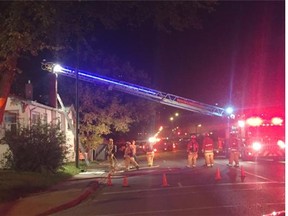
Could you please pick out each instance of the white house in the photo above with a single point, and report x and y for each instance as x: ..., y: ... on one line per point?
x: 26, y: 112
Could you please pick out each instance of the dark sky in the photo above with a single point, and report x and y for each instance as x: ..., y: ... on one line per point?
x: 236, y: 58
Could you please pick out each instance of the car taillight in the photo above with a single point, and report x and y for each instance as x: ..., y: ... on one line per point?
x: 256, y: 146
x: 281, y: 144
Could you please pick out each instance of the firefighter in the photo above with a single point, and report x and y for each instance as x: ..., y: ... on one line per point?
x: 134, y: 147
x: 129, y: 158
x: 110, y: 151
x: 208, y: 150
x: 192, y: 150
x: 234, y: 151
x: 81, y: 156
x: 150, y: 154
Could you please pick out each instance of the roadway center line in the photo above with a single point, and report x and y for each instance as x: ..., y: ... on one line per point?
x: 183, y: 187
x: 252, y: 174
x: 261, y: 177
x: 182, y: 210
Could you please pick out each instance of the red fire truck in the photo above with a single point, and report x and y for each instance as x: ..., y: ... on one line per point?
x: 261, y: 136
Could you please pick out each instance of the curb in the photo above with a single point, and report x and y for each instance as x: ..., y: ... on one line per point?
x: 86, y: 193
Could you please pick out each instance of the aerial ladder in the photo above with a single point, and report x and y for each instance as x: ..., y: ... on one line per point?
x: 132, y: 89
x: 137, y: 90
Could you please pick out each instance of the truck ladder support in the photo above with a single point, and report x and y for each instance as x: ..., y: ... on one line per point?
x: 144, y: 92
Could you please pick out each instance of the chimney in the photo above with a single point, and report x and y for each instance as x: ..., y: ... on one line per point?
x: 53, y: 90
x: 29, y: 90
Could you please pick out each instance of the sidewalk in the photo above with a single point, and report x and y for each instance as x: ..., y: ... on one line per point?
x: 61, y: 196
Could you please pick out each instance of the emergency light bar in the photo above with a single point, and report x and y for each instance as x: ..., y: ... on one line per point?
x: 257, y: 121
x: 150, y: 94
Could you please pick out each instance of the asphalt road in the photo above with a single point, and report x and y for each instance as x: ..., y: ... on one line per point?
x: 172, y: 189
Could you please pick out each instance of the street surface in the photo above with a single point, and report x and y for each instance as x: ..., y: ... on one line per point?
x: 170, y: 188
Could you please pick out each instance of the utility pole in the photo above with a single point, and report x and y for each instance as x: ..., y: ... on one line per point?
x: 77, y: 120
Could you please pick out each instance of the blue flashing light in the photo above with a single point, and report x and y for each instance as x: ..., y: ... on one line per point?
x: 163, y: 98
x: 106, y: 80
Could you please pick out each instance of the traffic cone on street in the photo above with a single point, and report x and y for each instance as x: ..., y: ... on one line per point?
x: 164, y: 181
x: 242, y: 174
x: 109, y: 181
x: 125, y: 182
x: 218, y: 176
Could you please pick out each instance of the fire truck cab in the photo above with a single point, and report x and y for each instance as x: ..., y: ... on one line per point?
x: 261, y: 137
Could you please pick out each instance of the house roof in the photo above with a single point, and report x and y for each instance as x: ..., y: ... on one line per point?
x: 37, y: 104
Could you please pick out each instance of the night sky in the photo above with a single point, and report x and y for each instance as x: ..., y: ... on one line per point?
x: 237, y: 57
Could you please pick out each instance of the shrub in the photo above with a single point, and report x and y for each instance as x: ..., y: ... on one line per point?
x: 38, y: 148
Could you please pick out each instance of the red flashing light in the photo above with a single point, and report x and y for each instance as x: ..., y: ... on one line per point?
x: 254, y: 121
x: 276, y: 121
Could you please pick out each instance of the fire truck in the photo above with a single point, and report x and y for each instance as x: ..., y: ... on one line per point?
x: 261, y: 136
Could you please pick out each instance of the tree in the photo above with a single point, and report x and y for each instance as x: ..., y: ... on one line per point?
x: 69, y: 30
x: 31, y: 27
x: 38, y: 148
x: 104, y: 112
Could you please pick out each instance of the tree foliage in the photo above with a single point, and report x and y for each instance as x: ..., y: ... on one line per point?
x: 103, y: 111
x: 38, y: 148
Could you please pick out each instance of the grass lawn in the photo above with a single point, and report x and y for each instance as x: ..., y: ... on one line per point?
x: 15, y: 184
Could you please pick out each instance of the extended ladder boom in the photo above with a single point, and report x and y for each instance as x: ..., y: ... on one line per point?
x: 150, y: 94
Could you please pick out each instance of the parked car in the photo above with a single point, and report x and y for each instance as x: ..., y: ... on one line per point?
x: 140, y: 148
x: 165, y: 145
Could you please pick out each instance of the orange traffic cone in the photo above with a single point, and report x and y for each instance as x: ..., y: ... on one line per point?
x: 125, y: 182
x: 218, y: 176
x: 164, y: 181
x: 109, y: 181
x: 242, y: 175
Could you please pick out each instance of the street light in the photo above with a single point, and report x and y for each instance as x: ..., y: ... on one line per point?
x: 57, y: 69
x: 172, y: 118
x: 198, y: 126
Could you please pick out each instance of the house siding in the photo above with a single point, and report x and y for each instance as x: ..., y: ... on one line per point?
x: 26, y: 112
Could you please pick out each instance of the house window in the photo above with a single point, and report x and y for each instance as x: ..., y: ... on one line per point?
x: 45, y: 118
x: 11, y: 121
x: 35, y: 118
